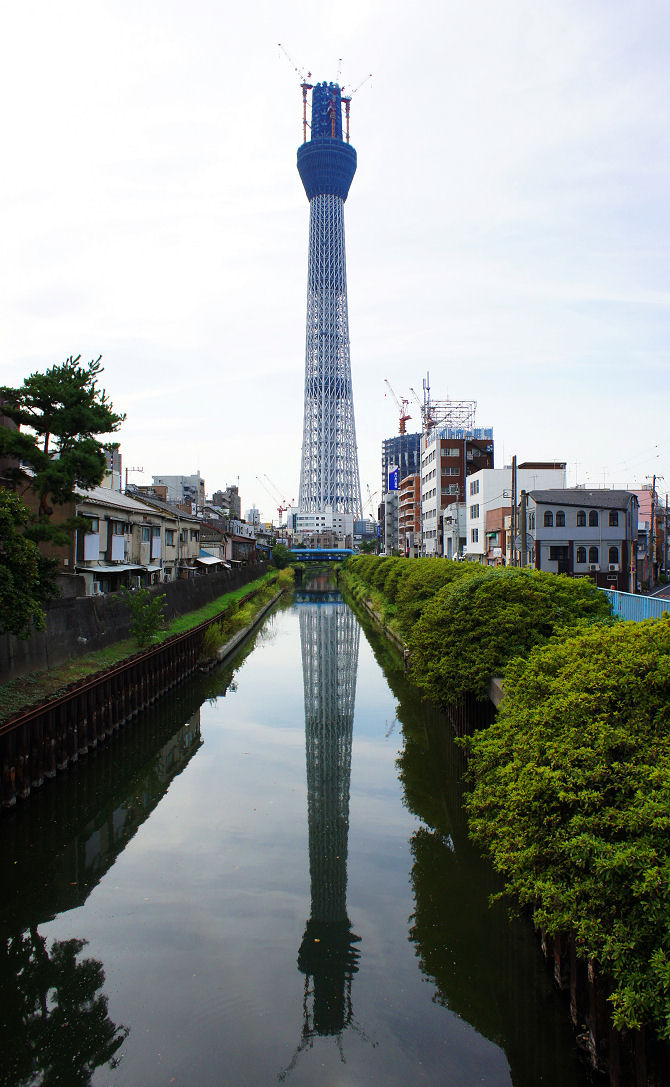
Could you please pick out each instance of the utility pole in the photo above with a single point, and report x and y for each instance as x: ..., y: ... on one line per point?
x: 666, y: 539
x: 652, y: 541
x: 514, y: 517
x: 522, y: 528
x: 652, y: 531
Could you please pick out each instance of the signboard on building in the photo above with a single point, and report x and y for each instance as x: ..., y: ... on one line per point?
x: 393, y: 477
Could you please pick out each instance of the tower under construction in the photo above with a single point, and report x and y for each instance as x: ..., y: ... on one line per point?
x: 330, y: 490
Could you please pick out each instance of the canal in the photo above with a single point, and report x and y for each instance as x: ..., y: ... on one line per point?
x: 267, y: 879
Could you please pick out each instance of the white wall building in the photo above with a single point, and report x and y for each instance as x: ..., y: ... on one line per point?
x: 491, y: 489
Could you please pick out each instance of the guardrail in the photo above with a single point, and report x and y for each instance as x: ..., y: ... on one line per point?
x: 637, y: 608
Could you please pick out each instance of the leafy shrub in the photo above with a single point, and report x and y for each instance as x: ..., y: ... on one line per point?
x: 571, y: 800
x: 475, y: 625
x: 422, y: 580
x: 281, y: 556
x: 148, y: 614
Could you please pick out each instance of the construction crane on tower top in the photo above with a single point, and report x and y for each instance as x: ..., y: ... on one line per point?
x: 401, y: 403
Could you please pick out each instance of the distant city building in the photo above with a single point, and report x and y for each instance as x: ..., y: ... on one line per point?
x: 448, y: 456
x: 184, y: 489
x: 113, y: 476
x: 404, y: 451
x: 229, y: 499
x: 253, y: 516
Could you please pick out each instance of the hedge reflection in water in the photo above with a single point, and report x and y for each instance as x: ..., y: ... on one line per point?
x: 486, y: 966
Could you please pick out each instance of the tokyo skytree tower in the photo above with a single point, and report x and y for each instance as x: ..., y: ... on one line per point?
x: 327, y: 164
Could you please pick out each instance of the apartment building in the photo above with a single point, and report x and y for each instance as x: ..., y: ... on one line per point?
x: 449, y: 456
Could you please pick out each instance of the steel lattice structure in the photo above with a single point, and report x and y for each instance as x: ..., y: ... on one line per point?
x: 329, y: 470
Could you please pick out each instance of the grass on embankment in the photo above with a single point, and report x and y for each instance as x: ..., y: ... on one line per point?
x: 24, y: 691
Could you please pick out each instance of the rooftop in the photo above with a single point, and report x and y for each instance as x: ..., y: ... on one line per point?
x: 579, y: 496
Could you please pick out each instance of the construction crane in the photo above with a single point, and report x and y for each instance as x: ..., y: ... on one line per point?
x: 283, y: 505
x: 427, y: 419
x: 371, y: 496
x: 401, y: 403
x: 305, y: 86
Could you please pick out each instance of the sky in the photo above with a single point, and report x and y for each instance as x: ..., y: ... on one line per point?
x: 507, y: 228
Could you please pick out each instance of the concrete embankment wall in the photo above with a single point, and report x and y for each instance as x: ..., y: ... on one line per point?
x: 77, y: 625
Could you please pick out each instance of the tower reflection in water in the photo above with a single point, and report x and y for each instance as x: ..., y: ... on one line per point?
x: 328, y: 955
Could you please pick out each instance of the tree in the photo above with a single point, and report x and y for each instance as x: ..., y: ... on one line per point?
x: 281, y: 556
x: 55, y: 450
x: 60, y: 414
x: 148, y: 612
x: 20, y: 586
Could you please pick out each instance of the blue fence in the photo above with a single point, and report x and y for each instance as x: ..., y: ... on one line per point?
x: 637, y: 608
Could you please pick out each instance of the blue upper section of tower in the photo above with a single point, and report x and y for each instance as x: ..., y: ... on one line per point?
x: 326, y: 163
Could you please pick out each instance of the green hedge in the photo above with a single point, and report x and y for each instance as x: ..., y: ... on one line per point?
x: 571, y: 800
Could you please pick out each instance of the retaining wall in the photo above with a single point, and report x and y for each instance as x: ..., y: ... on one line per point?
x: 78, y: 625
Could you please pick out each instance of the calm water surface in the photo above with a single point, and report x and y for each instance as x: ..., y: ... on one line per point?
x: 267, y: 879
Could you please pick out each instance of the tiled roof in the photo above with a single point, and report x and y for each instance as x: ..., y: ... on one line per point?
x: 579, y: 496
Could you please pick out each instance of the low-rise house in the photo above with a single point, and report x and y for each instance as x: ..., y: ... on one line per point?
x: 181, y: 548
x: 584, y: 533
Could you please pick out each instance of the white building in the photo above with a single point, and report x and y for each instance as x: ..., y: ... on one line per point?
x: 326, y: 520
x: 489, y: 491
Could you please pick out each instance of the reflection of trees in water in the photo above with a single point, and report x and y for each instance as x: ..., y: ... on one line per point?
x: 328, y: 956
x: 53, y: 1016
x: 485, y: 968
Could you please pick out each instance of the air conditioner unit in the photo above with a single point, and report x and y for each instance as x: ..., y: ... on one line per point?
x: 593, y: 566
x: 97, y: 588
x: 613, y: 566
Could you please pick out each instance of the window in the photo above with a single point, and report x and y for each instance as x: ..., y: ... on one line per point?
x: 474, y: 535
x: 581, y: 554
x: 183, y: 535
x: 118, y: 528
x: 155, y: 530
x: 194, y: 534
x: 474, y: 511
x: 531, y: 522
x: 593, y: 554
x: 593, y: 518
x: 474, y: 487
x: 613, y: 554
x: 95, y: 524
x: 548, y: 519
x: 169, y: 536
x: 581, y: 519
x: 560, y: 519
x: 614, y: 520
x: 146, y: 533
